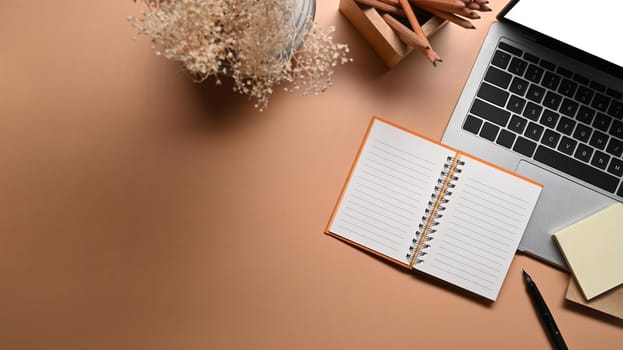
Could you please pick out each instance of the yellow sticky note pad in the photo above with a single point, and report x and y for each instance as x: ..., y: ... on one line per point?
x: 593, y: 249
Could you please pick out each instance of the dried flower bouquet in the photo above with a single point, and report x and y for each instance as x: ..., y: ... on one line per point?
x: 258, y: 43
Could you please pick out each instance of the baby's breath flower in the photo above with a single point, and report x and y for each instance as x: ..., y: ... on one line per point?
x: 256, y: 43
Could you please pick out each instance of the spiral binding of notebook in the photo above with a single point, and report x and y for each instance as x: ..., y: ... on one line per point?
x: 425, y: 233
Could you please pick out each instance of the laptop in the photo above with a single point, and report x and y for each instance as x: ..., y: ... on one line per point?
x: 545, y: 99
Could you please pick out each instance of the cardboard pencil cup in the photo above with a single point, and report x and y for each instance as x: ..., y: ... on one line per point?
x: 370, y: 23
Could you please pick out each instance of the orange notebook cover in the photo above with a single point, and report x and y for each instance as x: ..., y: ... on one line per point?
x: 437, y: 210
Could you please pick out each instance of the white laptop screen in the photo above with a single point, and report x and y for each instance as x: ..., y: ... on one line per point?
x: 591, y: 26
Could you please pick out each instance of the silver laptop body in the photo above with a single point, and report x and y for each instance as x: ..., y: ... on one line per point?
x: 565, y: 199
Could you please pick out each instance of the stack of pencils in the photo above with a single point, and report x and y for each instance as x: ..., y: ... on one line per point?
x: 394, y: 12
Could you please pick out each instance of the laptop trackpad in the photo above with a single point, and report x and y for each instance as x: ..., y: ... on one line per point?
x: 562, y: 203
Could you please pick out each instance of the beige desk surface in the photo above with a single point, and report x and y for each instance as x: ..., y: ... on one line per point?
x: 141, y: 211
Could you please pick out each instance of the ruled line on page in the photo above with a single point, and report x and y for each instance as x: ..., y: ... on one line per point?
x: 459, y: 233
x: 375, y: 205
x: 412, y: 171
x: 383, y: 227
x: 483, y: 229
x: 471, y: 252
x: 396, y: 170
x: 386, y: 195
x: 472, y: 255
x: 473, y: 265
x: 391, y: 202
x: 375, y: 211
x: 498, y: 220
x: 406, y: 181
x: 497, y: 190
x: 495, y: 195
x: 477, y: 195
x: 405, y: 152
x: 472, y: 279
x: 462, y: 245
x: 491, y: 209
x: 399, y: 167
x: 410, y: 195
x: 349, y: 230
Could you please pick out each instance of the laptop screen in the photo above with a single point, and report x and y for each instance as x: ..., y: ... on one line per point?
x: 586, y: 25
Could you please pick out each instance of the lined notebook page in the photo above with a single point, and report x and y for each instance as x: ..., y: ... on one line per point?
x: 480, y: 230
x: 388, y: 191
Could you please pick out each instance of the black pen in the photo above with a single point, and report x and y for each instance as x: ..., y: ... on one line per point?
x: 546, y: 317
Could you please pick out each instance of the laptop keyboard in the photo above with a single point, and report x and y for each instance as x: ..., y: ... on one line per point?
x: 551, y: 114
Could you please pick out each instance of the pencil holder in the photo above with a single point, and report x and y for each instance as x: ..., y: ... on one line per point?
x: 381, y: 37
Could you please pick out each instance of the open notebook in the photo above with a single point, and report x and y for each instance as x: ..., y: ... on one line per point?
x: 432, y: 208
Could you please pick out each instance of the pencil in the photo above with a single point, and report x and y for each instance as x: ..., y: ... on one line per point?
x: 450, y: 17
x: 405, y: 34
x: 446, y: 5
x: 479, y: 2
x: 430, y: 3
x: 417, y: 28
x: 485, y: 8
x: 432, y: 57
x: 383, y: 6
x: 476, y: 5
x: 391, y: 2
x: 466, y: 12
x: 473, y: 6
x: 415, y: 24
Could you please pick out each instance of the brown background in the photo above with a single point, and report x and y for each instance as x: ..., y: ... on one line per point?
x: 141, y: 211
